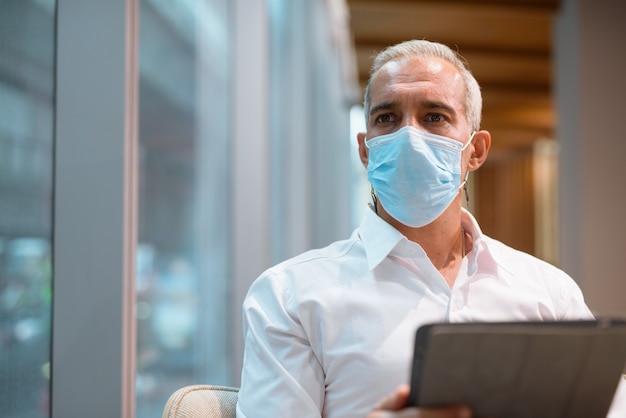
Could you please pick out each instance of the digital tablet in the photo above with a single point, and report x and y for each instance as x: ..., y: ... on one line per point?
x: 521, y: 369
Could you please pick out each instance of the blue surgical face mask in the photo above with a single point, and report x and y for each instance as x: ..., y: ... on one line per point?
x: 416, y: 175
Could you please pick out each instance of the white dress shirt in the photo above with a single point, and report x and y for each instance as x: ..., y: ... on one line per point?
x: 330, y: 332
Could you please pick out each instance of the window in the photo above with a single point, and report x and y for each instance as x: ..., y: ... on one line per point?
x: 26, y: 143
x: 183, y: 247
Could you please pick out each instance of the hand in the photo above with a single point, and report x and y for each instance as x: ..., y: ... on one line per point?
x: 394, y: 406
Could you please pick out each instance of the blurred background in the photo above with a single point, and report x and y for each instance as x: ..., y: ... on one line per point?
x: 131, y: 224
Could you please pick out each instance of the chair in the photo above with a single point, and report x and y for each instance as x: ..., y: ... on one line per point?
x: 202, y: 401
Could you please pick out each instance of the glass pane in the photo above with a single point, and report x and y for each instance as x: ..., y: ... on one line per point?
x: 26, y: 159
x: 182, y: 255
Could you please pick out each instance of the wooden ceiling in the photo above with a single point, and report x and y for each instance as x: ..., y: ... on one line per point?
x: 507, y: 43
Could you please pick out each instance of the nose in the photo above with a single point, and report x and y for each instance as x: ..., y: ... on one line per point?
x: 412, y: 121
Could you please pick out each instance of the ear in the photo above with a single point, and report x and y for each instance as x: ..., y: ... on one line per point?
x: 363, y: 152
x: 481, y: 145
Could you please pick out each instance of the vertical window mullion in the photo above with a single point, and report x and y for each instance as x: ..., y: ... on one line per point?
x: 94, y: 209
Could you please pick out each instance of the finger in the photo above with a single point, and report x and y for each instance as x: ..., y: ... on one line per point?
x: 446, y: 412
x: 396, y: 401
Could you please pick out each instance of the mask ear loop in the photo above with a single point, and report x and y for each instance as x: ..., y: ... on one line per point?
x: 374, y: 200
x: 465, y: 190
x: 464, y: 184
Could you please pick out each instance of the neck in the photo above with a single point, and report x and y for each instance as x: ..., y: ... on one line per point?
x: 443, y: 240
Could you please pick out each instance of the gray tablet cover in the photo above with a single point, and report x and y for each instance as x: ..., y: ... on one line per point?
x: 522, y: 369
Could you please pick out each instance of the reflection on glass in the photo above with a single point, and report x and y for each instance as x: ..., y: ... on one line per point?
x: 182, y: 254
x: 26, y: 137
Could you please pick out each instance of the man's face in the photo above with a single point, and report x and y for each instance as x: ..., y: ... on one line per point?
x: 427, y: 94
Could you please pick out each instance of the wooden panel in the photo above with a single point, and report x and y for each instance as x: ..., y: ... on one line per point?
x: 518, y: 116
x: 505, y: 203
x: 510, y: 69
x: 494, y: 26
x: 505, y: 141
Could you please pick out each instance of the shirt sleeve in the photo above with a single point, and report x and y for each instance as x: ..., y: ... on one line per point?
x: 618, y: 407
x: 571, y: 302
x: 575, y: 307
x: 281, y: 375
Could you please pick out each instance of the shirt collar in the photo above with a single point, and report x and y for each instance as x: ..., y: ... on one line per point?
x: 481, y: 247
x: 379, y: 238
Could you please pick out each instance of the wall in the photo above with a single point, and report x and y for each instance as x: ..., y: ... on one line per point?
x: 590, y: 90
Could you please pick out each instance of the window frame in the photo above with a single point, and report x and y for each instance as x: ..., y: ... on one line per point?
x: 95, y: 208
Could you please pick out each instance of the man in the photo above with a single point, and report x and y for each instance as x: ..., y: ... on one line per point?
x: 329, y: 333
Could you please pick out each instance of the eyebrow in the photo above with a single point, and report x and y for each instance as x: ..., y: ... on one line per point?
x: 382, y: 106
x: 432, y: 105
x: 427, y: 104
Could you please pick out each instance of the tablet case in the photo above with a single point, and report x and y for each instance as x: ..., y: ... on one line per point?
x: 521, y: 369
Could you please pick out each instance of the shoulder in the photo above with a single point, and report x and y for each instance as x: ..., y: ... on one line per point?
x: 517, y: 261
x: 540, y: 277
x: 311, y: 270
x: 306, y: 289
x: 336, y: 252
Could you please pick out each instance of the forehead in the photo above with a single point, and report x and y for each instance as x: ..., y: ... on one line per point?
x: 422, y: 79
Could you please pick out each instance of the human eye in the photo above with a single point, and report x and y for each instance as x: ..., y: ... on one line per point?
x: 435, y: 118
x: 384, y: 118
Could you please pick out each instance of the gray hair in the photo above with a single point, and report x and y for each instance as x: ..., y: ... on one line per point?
x: 426, y: 49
